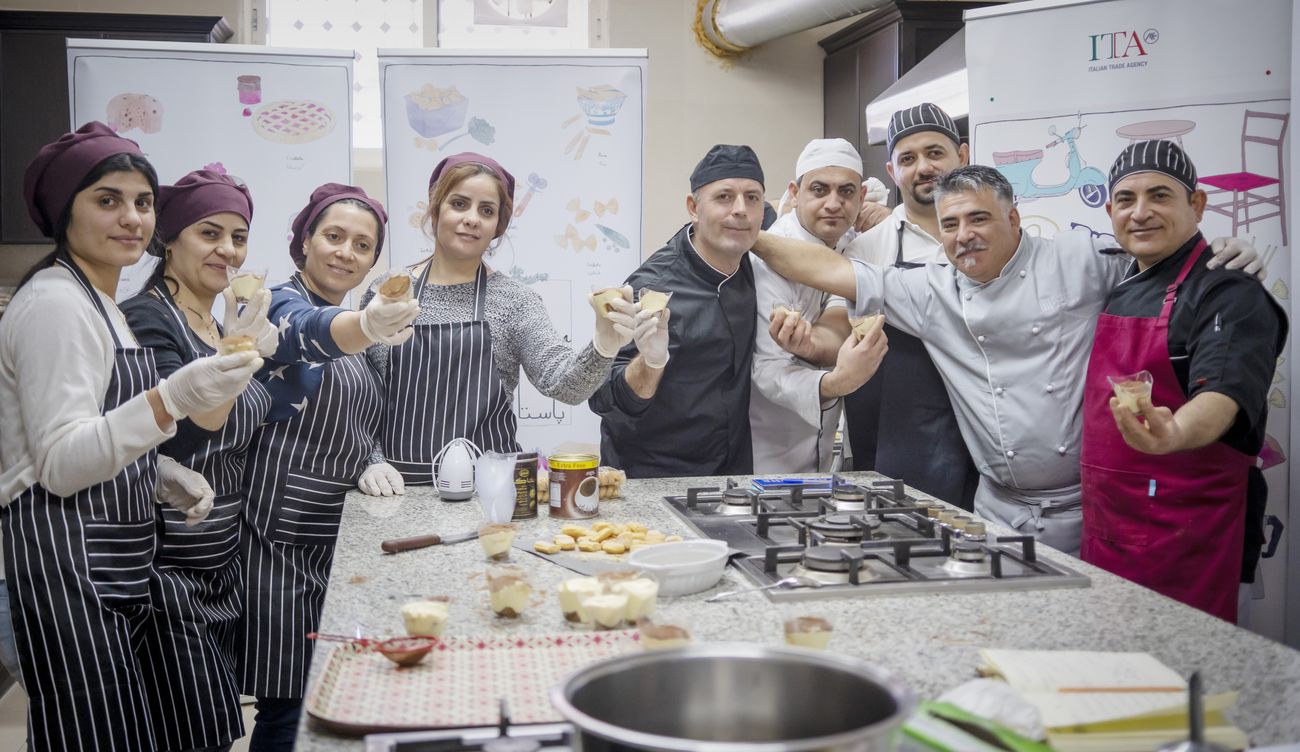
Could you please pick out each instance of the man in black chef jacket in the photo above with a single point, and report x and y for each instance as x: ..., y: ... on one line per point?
x: 1166, y: 480
x: 677, y: 400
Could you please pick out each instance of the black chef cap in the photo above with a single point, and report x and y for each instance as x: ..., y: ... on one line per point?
x: 1164, y: 157
x: 923, y: 117
x: 726, y: 161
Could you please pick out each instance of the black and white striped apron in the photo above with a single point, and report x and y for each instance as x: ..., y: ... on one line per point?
x: 187, y: 647
x: 299, y: 471
x: 78, y: 569
x: 442, y: 385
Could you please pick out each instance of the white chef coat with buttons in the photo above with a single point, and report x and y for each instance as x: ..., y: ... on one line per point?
x: 1013, y: 352
x: 793, y: 430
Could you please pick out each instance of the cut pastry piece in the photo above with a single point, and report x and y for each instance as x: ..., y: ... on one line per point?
x: 245, y: 286
x: 808, y: 632
x: 396, y: 287
x: 663, y: 636
x: 236, y: 343
x: 601, y: 300
x: 863, y: 325
x: 654, y: 301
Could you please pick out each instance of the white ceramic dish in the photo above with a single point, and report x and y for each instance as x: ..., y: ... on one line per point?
x: 683, y: 567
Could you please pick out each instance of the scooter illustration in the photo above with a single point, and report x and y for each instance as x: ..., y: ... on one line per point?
x: 1018, y: 168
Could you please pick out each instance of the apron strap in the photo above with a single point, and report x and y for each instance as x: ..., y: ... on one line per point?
x: 898, y: 259
x: 1171, y: 292
x: 160, y: 291
x: 93, y: 294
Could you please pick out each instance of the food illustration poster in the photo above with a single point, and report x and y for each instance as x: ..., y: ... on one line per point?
x: 577, y: 222
x: 295, y: 135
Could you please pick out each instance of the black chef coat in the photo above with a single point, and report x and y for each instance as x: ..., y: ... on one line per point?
x: 697, y: 423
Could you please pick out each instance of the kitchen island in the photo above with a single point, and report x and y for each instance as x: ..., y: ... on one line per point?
x: 931, y: 640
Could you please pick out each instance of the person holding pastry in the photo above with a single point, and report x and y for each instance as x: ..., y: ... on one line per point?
x: 476, y: 328
x: 186, y: 643
x: 316, y: 440
x: 84, y: 411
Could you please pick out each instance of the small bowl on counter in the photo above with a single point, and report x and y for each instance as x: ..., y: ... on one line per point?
x: 683, y: 567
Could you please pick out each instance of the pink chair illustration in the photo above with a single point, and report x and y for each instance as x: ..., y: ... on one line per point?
x: 1250, y: 188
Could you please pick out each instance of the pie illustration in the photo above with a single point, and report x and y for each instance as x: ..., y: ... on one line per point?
x: 293, y: 121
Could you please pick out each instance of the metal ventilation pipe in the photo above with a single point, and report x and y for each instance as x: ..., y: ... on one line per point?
x: 730, y: 27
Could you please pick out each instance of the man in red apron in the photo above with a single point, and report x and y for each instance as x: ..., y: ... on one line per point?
x: 1164, y: 483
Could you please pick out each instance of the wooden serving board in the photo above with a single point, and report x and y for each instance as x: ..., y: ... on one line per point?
x: 459, y: 684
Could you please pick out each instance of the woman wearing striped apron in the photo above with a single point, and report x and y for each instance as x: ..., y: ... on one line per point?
x: 318, y: 438
x: 186, y: 646
x: 476, y: 328
x: 83, y: 410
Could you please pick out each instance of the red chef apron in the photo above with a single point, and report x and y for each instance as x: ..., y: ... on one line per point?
x: 1172, y: 523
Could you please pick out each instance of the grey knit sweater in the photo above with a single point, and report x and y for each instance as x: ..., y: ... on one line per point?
x: 522, y: 335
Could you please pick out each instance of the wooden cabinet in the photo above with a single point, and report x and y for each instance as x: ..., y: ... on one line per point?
x: 34, y: 86
x: 864, y: 59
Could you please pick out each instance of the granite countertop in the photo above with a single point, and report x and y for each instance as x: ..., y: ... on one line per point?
x: 931, y: 640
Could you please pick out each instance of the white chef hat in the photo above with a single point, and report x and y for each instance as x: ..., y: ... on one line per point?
x: 827, y: 152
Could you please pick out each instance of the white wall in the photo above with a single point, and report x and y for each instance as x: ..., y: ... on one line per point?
x: 770, y: 99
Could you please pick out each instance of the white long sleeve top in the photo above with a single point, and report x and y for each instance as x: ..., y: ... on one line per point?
x: 56, y: 360
x: 793, y: 430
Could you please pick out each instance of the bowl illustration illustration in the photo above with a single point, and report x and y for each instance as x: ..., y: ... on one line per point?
x: 432, y: 111
x: 600, y: 103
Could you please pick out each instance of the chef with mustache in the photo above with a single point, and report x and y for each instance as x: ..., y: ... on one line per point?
x: 1009, y: 325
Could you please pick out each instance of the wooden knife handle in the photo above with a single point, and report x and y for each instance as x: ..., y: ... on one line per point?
x: 398, y: 545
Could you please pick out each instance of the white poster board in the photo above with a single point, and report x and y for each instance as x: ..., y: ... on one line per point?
x: 571, y: 128
x: 277, y: 119
x: 1059, y: 88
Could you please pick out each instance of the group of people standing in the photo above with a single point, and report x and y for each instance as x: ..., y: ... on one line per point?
x: 993, y: 374
x: 172, y: 502
x: 170, y: 511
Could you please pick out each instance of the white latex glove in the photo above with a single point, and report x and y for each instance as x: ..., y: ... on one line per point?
x: 998, y: 702
x: 651, y: 337
x: 1235, y: 253
x: 388, y: 321
x: 614, y: 328
x: 875, y: 191
x: 252, y: 322
x: 184, y: 490
x: 207, y: 383
x: 381, y: 479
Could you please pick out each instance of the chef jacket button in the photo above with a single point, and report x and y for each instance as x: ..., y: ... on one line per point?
x: 1050, y: 388
x: 1022, y: 274
x: 1061, y: 450
x: 1036, y: 329
x: 1011, y: 453
x: 980, y: 338
x: 969, y: 296
x: 999, y: 390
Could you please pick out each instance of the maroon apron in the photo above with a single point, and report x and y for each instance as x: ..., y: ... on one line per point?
x: 1173, y: 523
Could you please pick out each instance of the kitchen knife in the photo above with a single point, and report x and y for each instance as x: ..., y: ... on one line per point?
x: 398, y: 545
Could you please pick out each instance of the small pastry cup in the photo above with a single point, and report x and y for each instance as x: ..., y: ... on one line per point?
x: 812, y: 632
x: 862, y: 325
x: 602, y: 298
x: 1131, y: 387
x: 662, y: 633
x: 653, y: 300
x: 245, y: 283
x: 236, y: 344
x: 508, y: 590
x: 496, y: 538
x: 426, y: 618
x: 397, y: 287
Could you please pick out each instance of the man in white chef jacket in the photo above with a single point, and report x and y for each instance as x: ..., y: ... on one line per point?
x: 794, y: 405
x: 1009, y: 325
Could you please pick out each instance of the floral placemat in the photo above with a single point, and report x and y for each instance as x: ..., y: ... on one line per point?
x: 459, y: 684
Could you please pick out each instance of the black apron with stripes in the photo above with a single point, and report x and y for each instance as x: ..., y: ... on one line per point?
x: 187, y: 645
x: 919, y: 440
x: 299, y: 471
x: 77, y: 569
x: 443, y: 385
